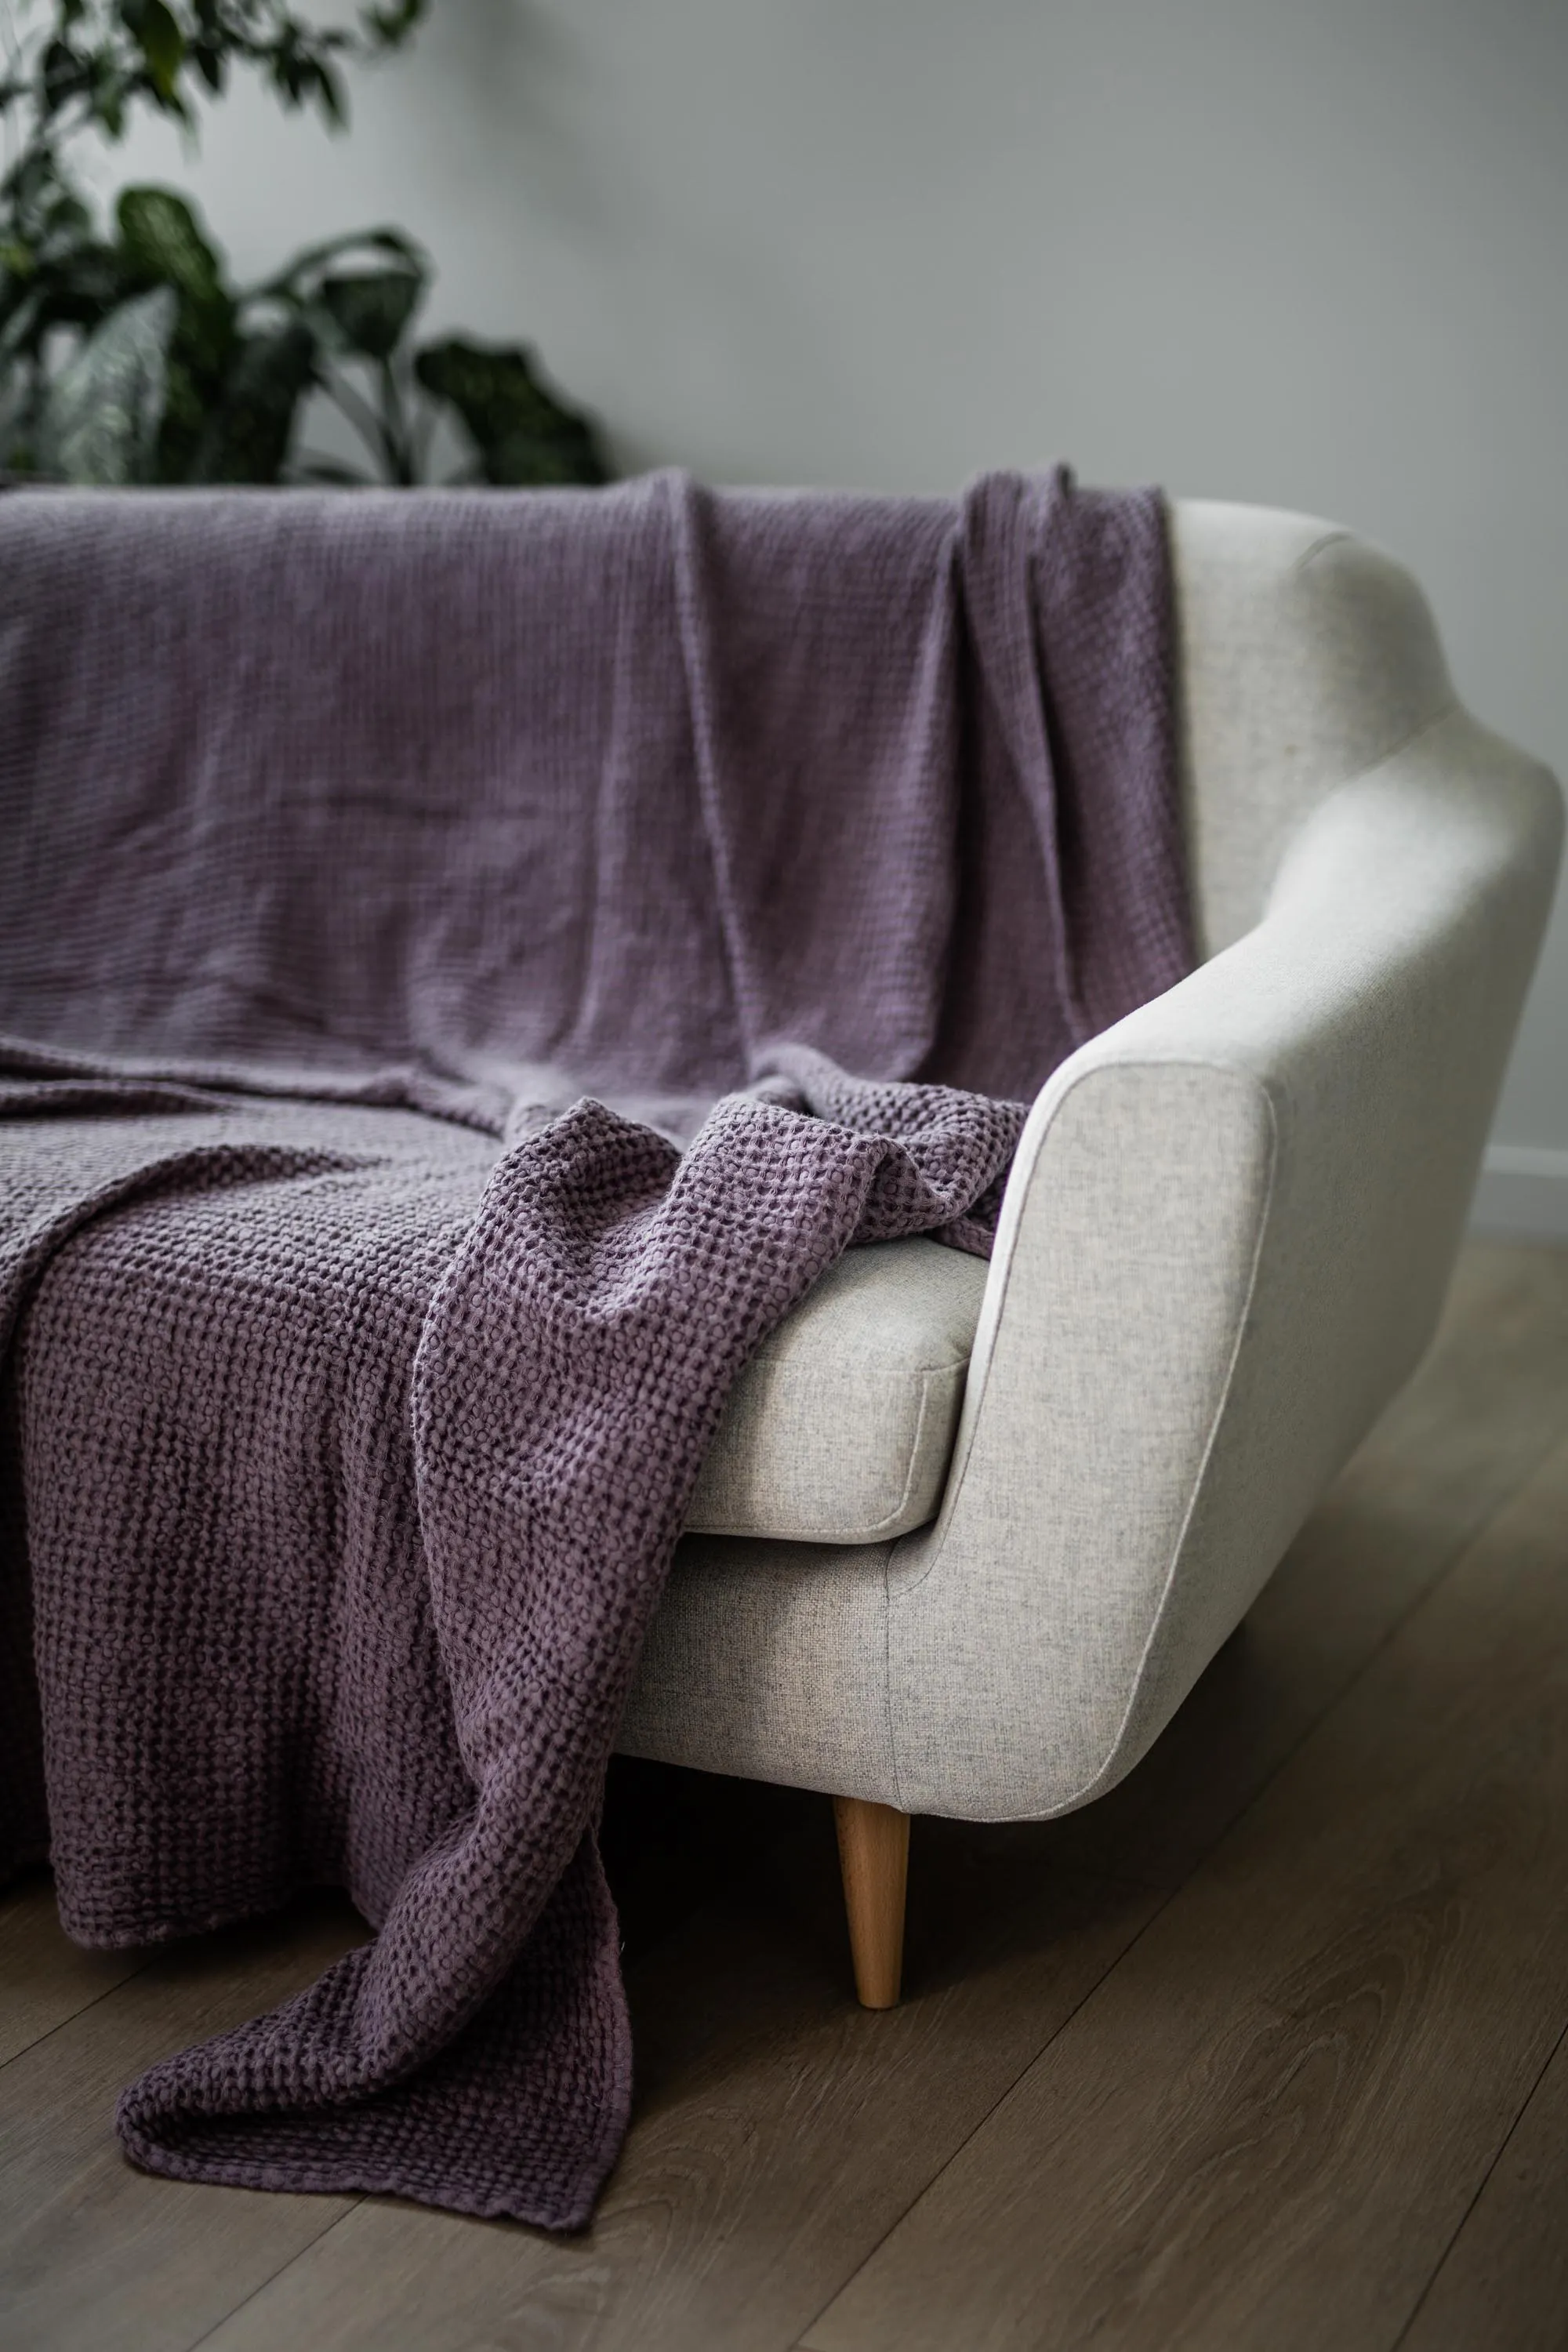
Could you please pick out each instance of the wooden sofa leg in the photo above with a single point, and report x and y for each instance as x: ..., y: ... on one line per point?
x: 874, y: 1854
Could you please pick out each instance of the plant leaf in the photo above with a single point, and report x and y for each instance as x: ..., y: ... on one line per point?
x: 162, y: 240
x: 104, y: 408
x: 79, y: 292
x: 156, y: 32
x: 61, y: 73
x: 211, y: 62
x: 248, y: 434
x: 387, y: 28
x: 292, y: 284
x: 333, y: 97
x: 370, y: 308
x: 524, y: 435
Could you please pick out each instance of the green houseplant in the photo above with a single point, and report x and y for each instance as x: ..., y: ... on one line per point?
x: 126, y: 355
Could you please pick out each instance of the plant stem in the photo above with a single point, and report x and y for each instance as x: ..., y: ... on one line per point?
x: 359, y: 415
x: 399, y: 447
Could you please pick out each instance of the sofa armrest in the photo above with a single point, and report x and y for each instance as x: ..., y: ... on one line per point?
x: 1226, y: 1244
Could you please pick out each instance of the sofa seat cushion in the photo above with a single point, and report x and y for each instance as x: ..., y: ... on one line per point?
x: 840, y: 1429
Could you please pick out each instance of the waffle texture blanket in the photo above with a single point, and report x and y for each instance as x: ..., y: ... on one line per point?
x: 467, y: 964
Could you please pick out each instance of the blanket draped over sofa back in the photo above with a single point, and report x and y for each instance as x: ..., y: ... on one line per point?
x: 467, y: 964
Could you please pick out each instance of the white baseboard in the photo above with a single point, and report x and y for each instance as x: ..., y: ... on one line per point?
x: 1523, y: 1192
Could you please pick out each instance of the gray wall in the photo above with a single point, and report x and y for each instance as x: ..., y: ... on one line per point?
x: 1309, y: 252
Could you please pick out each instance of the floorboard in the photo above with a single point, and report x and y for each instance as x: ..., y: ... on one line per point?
x: 1322, y: 1993
x: 99, y: 2257
x: 781, y: 2130
x: 1265, y: 2125
x: 45, y: 1979
x: 1503, y: 2284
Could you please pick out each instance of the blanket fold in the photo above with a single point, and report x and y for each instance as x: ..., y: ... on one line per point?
x: 468, y: 965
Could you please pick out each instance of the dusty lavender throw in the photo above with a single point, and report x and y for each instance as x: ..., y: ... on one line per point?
x: 467, y: 964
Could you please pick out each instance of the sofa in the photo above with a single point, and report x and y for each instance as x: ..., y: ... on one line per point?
x: 968, y: 1534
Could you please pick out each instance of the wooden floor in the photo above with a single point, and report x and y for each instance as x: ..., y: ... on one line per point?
x: 1266, y: 2050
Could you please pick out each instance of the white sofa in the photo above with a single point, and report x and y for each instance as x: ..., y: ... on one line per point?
x: 969, y: 1536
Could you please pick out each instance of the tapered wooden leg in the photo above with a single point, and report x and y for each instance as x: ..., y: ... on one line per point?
x: 874, y: 1854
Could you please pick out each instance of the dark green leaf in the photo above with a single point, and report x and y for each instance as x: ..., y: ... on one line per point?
x: 113, y: 85
x: 389, y: 28
x: 248, y: 436
x: 40, y: 206
x: 186, y: 407
x: 156, y: 32
x: 77, y: 290
x: 331, y: 96
x: 162, y: 240
x: 62, y: 73
x: 371, y: 309
x: 523, y: 434
x: 296, y: 283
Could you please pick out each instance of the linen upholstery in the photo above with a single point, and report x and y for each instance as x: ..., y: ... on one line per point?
x: 1224, y: 1246
x: 841, y: 1429
x: 1306, y: 656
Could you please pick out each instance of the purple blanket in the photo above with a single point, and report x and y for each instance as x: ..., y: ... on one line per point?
x: 467, y: 964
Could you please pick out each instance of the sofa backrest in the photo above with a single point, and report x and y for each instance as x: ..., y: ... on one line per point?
x: 1306, y: 656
